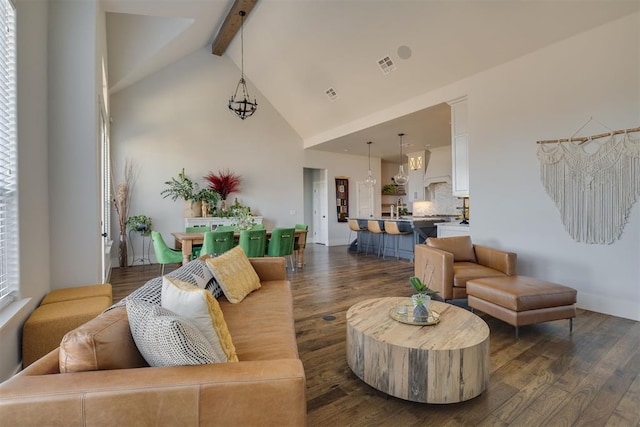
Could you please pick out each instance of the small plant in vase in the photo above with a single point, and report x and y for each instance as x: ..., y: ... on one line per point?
x: 244, y: 220
x: 209, y: 199
x: 140, y: 223
x: 423, y: 297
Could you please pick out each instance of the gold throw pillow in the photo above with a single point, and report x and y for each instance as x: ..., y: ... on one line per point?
x: 235, y: 274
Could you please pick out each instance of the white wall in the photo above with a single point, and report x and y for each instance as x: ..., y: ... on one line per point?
x: 59, y: 46
x: 74, y: 220
x: 32, y: 147
x: 178, y: 118
x: 550, y: 94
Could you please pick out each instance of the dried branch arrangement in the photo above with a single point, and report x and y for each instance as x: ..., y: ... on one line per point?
x: 121, y: 197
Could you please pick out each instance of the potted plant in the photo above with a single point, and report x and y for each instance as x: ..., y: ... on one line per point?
x: 209, y: 199
x: 422, y: 299
x: 224, y: 183
x: 140, y: 224
x: 389, y: 190
x: 244, y: 220
x: 184, y: 188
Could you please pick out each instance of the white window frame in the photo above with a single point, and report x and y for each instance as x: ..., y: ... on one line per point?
x: 9, y: 267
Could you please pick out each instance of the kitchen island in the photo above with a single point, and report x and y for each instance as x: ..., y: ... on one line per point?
x: 419, y: 227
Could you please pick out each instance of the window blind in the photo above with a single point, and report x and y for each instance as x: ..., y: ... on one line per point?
x: 8, y: 155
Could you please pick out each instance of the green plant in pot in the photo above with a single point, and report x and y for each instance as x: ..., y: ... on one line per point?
x: 209, y: 199
x: 184, y: 188
x: 423, y: 297
x: 244, y: 220
x: 140, y: 224
x: 389, y: 189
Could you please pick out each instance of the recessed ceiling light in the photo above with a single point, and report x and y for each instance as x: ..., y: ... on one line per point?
x: 404, y: 52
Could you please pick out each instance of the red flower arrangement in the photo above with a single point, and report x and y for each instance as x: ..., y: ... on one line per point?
x: 224, y: 183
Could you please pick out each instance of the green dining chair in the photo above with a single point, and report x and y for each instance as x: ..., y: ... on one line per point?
x: 226, y: 228
x: 217, y: 242
x: 195, y: 250
x: 253, y: 242
x: 281, y: 243
x: 164, y: 254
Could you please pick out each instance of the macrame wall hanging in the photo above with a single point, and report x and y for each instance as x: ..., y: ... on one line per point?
x: 594, y: 191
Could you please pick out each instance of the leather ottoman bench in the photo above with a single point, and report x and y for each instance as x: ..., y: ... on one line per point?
x: 522, y: 300
x: 61, y: 311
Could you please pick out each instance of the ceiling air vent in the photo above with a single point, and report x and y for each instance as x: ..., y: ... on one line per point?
x: 331, y: 93
x: 386, y: 65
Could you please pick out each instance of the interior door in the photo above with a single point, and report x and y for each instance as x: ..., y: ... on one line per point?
x: 319, y: 206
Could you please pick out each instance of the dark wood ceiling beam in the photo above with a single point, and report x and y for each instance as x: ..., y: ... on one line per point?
x: 231, y: 25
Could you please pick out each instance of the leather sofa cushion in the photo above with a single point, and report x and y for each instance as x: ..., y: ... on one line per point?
x: 460, y: 246
x: 465, y: 271
x: 521, y: 293
x: 47, y: 325
x: 104, y: 342
x: 262, y: 324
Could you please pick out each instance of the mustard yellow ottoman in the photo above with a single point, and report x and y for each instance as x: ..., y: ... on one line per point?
x: 61, y: 311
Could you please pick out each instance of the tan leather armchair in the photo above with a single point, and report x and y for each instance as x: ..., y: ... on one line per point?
x: 452, y: 261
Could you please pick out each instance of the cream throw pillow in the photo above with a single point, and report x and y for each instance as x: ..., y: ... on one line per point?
x: 203, y: 310
x: 235, y: 274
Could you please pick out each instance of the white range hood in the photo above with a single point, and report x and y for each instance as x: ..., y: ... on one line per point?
x: 438, y: 166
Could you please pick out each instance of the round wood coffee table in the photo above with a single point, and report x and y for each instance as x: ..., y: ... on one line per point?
x: 444, y: 363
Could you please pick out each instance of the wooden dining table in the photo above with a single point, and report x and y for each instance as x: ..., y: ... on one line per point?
x: 186, y: 241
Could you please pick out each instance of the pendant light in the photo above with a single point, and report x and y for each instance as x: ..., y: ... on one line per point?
x: 370, y: 181
x: 401, y: 178
x: 242, y: 107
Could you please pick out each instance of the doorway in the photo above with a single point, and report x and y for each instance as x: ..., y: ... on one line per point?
x: 315, y: 201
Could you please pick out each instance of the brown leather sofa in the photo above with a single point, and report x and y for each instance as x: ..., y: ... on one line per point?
x: 266, y: 387
x: 456, y: 260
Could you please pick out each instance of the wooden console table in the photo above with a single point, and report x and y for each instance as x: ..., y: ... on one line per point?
x: 444, y: 363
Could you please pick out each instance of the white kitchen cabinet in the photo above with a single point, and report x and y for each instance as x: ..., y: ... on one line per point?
x: 459, y: 148
x: 450, y: 229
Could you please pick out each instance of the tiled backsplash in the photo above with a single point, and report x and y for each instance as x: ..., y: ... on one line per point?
x: 443, y: 202
x: 439, y: 201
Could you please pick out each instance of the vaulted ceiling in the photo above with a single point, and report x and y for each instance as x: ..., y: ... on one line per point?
x: 295, y: 50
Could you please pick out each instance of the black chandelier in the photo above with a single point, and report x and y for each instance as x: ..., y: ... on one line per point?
x: 242, y: 107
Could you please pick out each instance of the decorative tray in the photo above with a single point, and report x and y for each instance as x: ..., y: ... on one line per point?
x: 403, y: 313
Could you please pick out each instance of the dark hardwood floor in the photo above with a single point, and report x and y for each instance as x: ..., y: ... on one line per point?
x: 549, y: 377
